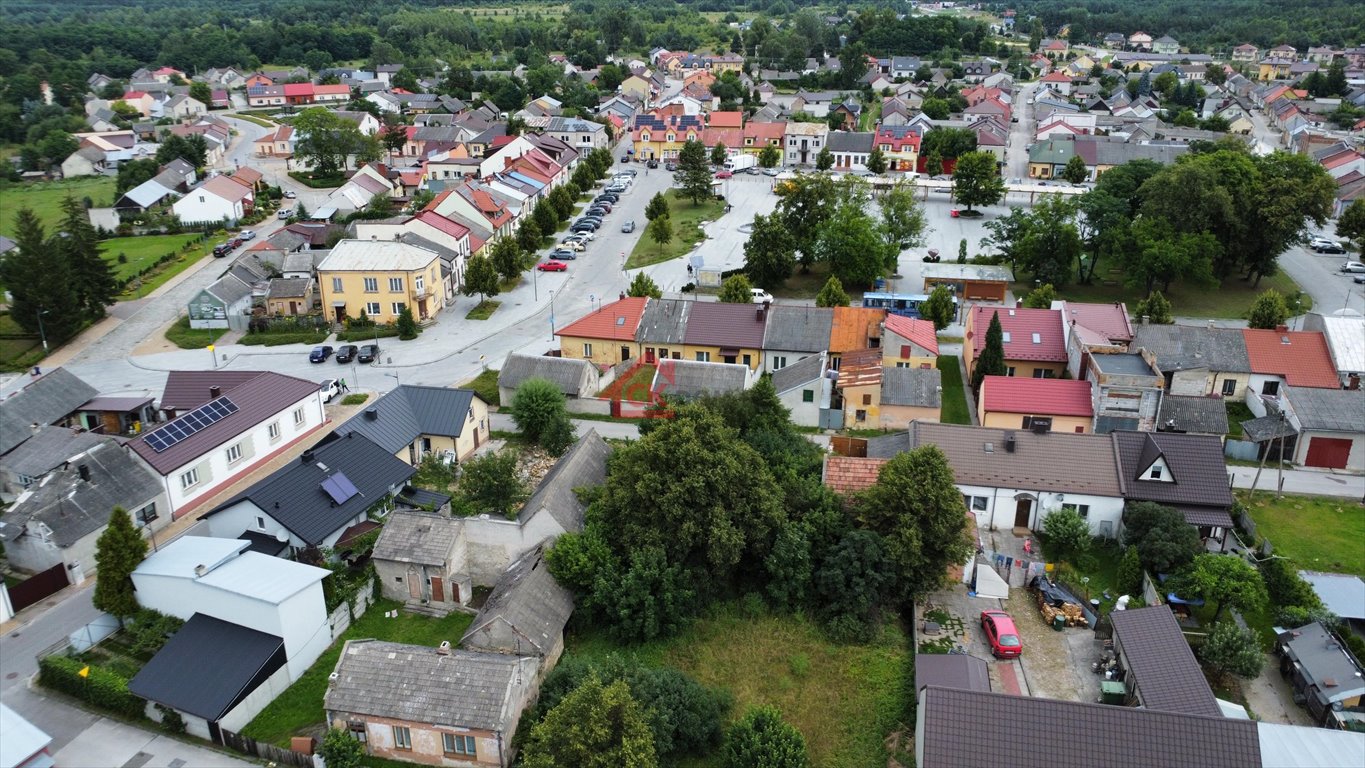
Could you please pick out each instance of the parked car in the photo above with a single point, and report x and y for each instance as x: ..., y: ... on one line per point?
x: 629, y: 226
x: 319, y: 354
x: 290, y: 195
x: 760, y: 296
x: 724, y: 174
x: 222, y: 249
x: 770, y: 171
x: 284, y: 213
x: 582, y: 237
x: 552, y: 266
x: 589, y: 219
x: 573, y: 245
x: 1315, y: 239
x: 563, y: 254
x: 605, y: 205
x: 1360, y: 279
x: 235, y: 242
x: 630, y: 172
x: 584, y: 226
x: 247, y: 234
x: 367, y: 354
x: 1328, y: 247
x: 1001, y: 634
x: 652, y: 163
x: 346, y: 353
x: 1353, y: 266
x: 610, y: 197
x: 625, y: 158
x: 670, y: 166
x: 329, y: 389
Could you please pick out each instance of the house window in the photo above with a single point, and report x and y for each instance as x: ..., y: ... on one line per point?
x: 747, y: 360
x: 1009, y: 371
x: 146, y: 515
x: 1043, y: 423
x: 395, y: 285
x: 372, y: 308
x: 867, y: 399
x: 1155, y: 472
x: 587, y: 349
x: 398, y: 307
x: 336, y: 285
x: 1229, y: 387
x: 703, y: 357
x: 670, y: 137
x: 189, y: 479
x: 260, y: 522
x: 1081, y: 509
x: 234, y: 453
x: 357, y: 730
x: 298, y: 416
x: 1271, y: 388
x: 860, y: 415
x: 779, y: 363
x: 807, y: 395
x: 458, y: 745
x: 371, y: 285
x: 402, y: 737
x: 274, y: 431
x: 418, y: 283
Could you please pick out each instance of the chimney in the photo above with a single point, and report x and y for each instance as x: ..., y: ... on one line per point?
x: 758, y: 312
x: 1145, y: 319
x: 201, y: 569
x: 84, y: 471
x: 443, y: 649
x: 1009, y: 442
x: 307, y: 455
x: 1281, y: 329
x: 1017, y: 303
x: 372, y: 413
x: 215, y: 393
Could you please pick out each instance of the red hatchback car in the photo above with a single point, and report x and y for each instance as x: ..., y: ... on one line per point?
x: 552, y: 266
x: 1001, y: 634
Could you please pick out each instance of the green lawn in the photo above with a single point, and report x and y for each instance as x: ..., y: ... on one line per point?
x: 1316, y: 533
x: 17, y: 353
x: 150, y: 252
x: 1238, y: 412
x: 486, y: 385
x: 185, y: 337
x: 845, y: 699
x: 141, y: 252
x: 300, y: 706
x: 686, y: 234
x: 803, y: 284
x: 1230, y: 300
x: 45, y: 198
x: 633, y: 387
x: 483, y: 310
x: 954, y: 408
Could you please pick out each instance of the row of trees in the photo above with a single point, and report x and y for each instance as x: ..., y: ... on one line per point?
x: 61, y: 283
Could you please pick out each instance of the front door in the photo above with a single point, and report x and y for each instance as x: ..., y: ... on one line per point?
x: 438, y: 593
x: 414, y: 585
x: 1022, y: 510
x: 293, y: 308
x: 341, y: 315
x: 649, y: 355
x: 625, y: 353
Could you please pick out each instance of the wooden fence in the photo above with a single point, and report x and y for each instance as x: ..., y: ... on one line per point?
x: 274, y: 754
x: 37, y: 587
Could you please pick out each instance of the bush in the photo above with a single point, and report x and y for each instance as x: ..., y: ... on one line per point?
x: 1285, y: 587
x: 171, y: 721
x: 1229, y: 649
x: 148, y: 630
x: 1130, y: 573
x: 361, y: 335
x: 101, y: 688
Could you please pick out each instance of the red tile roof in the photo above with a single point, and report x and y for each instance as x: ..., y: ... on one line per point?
x: 1108, y: 320
x: 920, y: 332
x: 616, y: 321
x: 853, y: 327
x: 1057, y: 77
x: 726, y: 119
x: 1020, y: 326
x: 1301, y: 357
x: 438, y: 222
x: 298, y: 89
x: 1055, y: 397
x: 849, y: 474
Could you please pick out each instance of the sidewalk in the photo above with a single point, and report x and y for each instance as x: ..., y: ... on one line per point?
x: 1311, y: 482
x: 111, y: 743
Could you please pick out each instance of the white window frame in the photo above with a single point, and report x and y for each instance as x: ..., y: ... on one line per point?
x: 273, y: 431
x: 234, y: 454
x: 402, y: 738
x: 419, y: 282
x: 398, y: 307
x: 372, y: 308
x: 337, y: 285
x: 587, y: 349
x: 458, y: 744
x: 395, y: 285
x: 300, y: 416
x: 189, y: 479
x: 371, y: 284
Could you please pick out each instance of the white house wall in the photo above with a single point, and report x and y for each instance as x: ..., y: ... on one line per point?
x: 1001, y: 506
x: 803, y: 413
x: 493, y: 543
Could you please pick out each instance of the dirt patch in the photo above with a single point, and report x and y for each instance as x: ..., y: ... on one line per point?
x: 1269, y: 697
x: 1052, y: 668
x: 533, y: 465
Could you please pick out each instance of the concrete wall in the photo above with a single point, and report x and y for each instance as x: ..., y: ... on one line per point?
x: 495, y: 542
x: 1200, y: 382
x: 586, y: 405
x: 897, y: 417
x: 776, y: 359
x: 806, y: 414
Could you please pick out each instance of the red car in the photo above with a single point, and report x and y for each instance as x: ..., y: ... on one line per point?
x: 724, y: 174
x: 553, y: 266
x: 1001, y: 634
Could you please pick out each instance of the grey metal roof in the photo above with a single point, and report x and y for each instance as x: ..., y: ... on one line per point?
x: 1331, y: 674
x: 919, y: 387
x: 74, y: 508
x: 300, y: 261
x: 1205, y: 415
x: 1195, y: 462
x: 887, y: 446
x: 951, y: 670
x: 415, y: 683
x: 289, y: 287
x: 1297, y: 746
x: 294, y: 497
x: 583, y: 465
x: 689, y: 378
x: 798, y: 328
x: 799, y: 373
x: 1268, y: 427
x: 407, y: 412
x: 527, y: 601
x: 569, y: 375
x: 49, y: 447
x: 1341, y: 593
x: 959, y: 728
x: 850, y: 141
x: 1327, y: 410
x: 418, y: 537
x: 664, y: 321
x: 1161, y: 663
x: 44, y: 401
x: 1055, y: 461
x: 178, y: 676
x: 1180, y: 347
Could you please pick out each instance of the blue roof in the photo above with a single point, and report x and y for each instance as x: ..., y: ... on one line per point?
x: 527, y: 180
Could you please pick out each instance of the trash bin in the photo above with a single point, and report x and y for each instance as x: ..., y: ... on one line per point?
x: 1112, y: 692
x: 1058, y: 622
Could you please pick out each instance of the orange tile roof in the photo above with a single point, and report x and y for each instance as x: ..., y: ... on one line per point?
x: 1301, y: 357
x: 727, y: 119
x: 765, y: 131
x: 616, y: 321
x: 849, y: 474
x: 853, y: 326
x: 919, y: 332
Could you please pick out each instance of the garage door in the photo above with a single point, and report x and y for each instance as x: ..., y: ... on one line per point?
x: 1328, y: 452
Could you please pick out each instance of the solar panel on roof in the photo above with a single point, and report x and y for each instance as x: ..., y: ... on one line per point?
x: 195, y: 421
x: 339, y: 487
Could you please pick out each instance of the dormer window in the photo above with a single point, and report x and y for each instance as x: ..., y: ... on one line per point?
x: 1155, y: 471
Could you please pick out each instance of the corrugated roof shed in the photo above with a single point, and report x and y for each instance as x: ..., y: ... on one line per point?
x: 951, y: 670
x: 1160, y: 662
x: 44, y: 401
x: 1341, y: 593
x: 527, y: 601
x: 688, y: 378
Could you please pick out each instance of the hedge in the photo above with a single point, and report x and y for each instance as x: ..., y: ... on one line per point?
x: 276, y: 339
x: 361, y: 335
x: 103, y: 689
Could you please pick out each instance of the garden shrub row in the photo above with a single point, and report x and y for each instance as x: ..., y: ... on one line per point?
x: 277, y: 339
x: 361, y: 335
x: 101, y: 688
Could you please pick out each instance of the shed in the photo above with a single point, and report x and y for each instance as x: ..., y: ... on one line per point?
x: 1162, y: 672
x: 951, y: 670
x: 575, y: 378
x: 525, y: 613
x: 971, y: 282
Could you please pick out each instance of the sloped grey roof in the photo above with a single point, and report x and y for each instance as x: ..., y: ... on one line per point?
x: 1058, y: 461
x: 299, y: 261
x: 399, y: 417
x: 1341, y: 593
x: 417, y: 537
x: 803, y: 371
x: 1206, y: 415
x: 689, y: 378
x: 1160, y: 660
x: 798, y: 328
x: 568, y: 374
x: 1328, y: 410
x: 1200, y: 475
x: 417, y: 684
x: 178, y: 677
x: 74, y: 508
x: 529, y: 601
x: 584, y: 464
x: 846, y: 141
x: 951, y: 670
x: 911, y: 386
x: 52, y: 396
x: 229, y: 289
x: 664, y: 321
x: 147, y: 194
x: 1179, y: 347
x: 47, y: 448
x: 289, y: 287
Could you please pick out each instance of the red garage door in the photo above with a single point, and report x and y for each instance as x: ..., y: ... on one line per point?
x: 1328, y: 452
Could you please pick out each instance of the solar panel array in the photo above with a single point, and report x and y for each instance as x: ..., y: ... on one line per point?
x: 191, y: 423
x: 339, y: 487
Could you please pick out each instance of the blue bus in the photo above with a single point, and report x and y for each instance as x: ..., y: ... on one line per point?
x: 903, y: 304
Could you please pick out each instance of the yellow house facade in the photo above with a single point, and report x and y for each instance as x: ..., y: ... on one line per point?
x: 1274, y: 69
x: 636, y: 87
x: 908, y: 343
x: 663, y: 138
x: 380, y: 279
x: 707, y: 353
x: 606, y: 336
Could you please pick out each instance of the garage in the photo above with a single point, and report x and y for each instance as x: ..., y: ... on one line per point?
x: 1330, y: 424
x: 1328, y: 452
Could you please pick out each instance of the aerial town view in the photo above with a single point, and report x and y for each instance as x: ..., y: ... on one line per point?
x: 682, y: 383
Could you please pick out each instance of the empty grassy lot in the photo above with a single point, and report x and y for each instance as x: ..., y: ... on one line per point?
x: 1317, y: 533
x: 1230, y: 300
x: 685, y: 217
x: 45, y: 198
x: 954, y: 408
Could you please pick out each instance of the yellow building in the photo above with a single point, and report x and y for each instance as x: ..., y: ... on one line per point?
x: 908, y: 343
x: 637, y: 88
x: 909, y: 394
x: 725, y: 333
x: 662, y: 136
x: 1275, y: 69
x: 380, y: 278
x: 1053, y: 405
x: 860, y: 388
x: 604, y: 337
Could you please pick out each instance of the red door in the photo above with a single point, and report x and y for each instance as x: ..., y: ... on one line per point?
x: 438, y: 593
x: 1328, y: 452
x: 649, y: 355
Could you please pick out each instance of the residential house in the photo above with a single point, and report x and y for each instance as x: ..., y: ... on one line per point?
x: 1092, y: 329
x: 225, y: 304
x: 1323, y: 672
x: 1274, y: 68
x: 909, y: 394
x: 1166, y: 45
x: 662, y: 328
x: 1161, y: 671
x: 758, y: 135
x: 1198, y: 361
x: 1184, y: 471
x: 417, y: 422
x: 291, y: 296
x: 656, y: 136
x: 804, y: 141
x: 895, y: 112
x: 1329, y: 426
x: 1200, y: 415
x: 1033, y: 343
x: 1040, y: 405
x: 817, y: 103
x: 183, y: 107
x: 216, y: 200
x: 46, y: 449
x: 1127, y: 390
x: 583, y: 135
x: 525, y: 613
x: 51, y: 398
x: 237, y: 426
x: 1281, y: 356
x: 371, y: 181
x: 574, y: 378
x: 60, y: 515
x: 858, y: 388
x: 225, y: 579
x: 1345, y: 335
x: 900, y: 144
x: 854, y: 329
x: 725, y: 333
x: 1245, y: 53
x: 908, y: 343
x: 850, y: 111
x: 1140, y: 41
x: 311, y: 502
x: 850, y: 149
x: 804, y: 389
x: 420, y: 559
x: 794, y: 333
x: 689, y: 379
x: 636, y: 88
x: 26, y: 745
x: 355, y: 272
x: 605, y: 337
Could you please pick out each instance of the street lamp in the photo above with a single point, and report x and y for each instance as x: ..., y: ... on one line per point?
x: 41, y: 331
x: 594, y: 303
x: 394, y: 376
x: 552, y: 315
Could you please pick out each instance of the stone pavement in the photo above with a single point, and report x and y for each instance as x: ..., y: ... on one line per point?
x: 114, y: 744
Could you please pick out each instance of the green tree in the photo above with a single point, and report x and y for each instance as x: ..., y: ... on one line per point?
x: 939, y: 308
x: 118, y: 551
x: 584, y: 177
x: 1269, y: 311
x: 804, y: 204
x: 1229, y: 649
x: 657, y: 206
x: 481, y: 277
x: 736, y: 289
x: 718, y: 154
x: 661, y: 231
x: 962, y: 251
x: 562, y: 201
x: 1351, y: 223
x: 193, y: 149
x: 134, y: 172
x: 1066, y: 534
x: 976, y: 181
x: 393, y: 138
x: 824, y: 159
x: 851, y: 586
x: 832, y: 294
x: 39, y: 281
x: 642, y: 285
x: 489, y: 484
x: 1129, y: 575
x: 325, y: 140
x: 92, y: 279
x: 406, y: 325
x: 1041, y: 297
x: 936, y: 109
x: 1075, y: 170
x: 1334, y: 83
x: 876, y: 161
x: 991, y: 361
x: 1226, y: 580
x: 933, y: 163
x: 849, y: 242
x: 341, y: 750
x: 1164, y: 541
x: 694, y: 174
x: 770, y: 252
x: 1163, y: 255
x: 595, y: 726
x: 1156, y: 309
x: 539, y: 409
x: 769, y: 156
x: 546, y: 217
x: 903, y: 224
x: 762, y: 739
x: 506, y: 255
x: 528, y: 238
